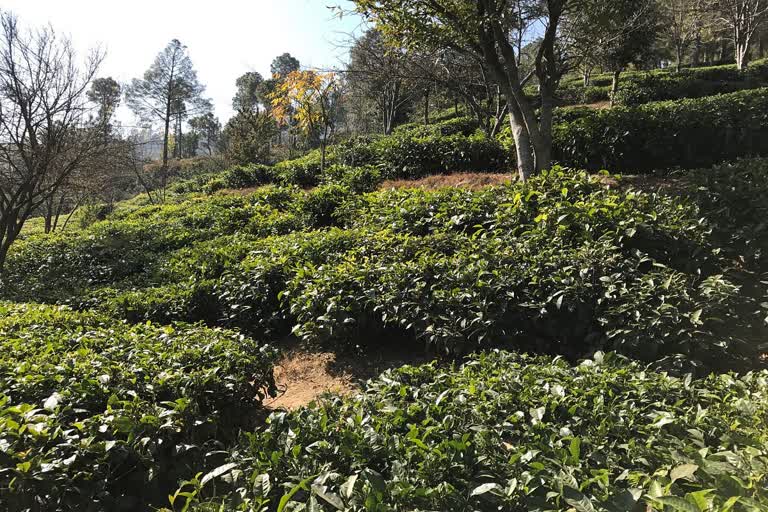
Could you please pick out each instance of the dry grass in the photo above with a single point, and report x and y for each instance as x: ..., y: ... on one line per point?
x: 304, y: 375
x: 467, y: 180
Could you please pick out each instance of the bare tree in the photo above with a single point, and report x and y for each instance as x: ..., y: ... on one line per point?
x: 380, y: 74
x: 743, y: 18
x: 683, y: 21
x: 44, y: 134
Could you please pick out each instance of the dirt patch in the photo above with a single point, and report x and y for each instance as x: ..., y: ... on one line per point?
x: 467, y: 180
x: 303, y: 375
x: 598, y: 105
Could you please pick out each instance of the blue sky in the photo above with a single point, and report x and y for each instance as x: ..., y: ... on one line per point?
x: 226, y: 38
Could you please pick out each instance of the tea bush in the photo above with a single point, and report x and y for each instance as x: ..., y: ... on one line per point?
x: 685, y: 133
x: 638, y: 87
x: 560, y: 264
x: 410, y: 157
x: 98, y: 412
x: 511, y: 432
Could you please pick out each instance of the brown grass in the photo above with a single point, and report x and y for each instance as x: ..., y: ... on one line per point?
x: 467, y: 180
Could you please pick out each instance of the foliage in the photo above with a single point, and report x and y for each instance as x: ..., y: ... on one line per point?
x: 685, y: 133
x: 511, y: 432
x: 690, y: 84
x: 100, y: 412
x: 562, y: 265
x: 246, y: 137
x: 309, y: 100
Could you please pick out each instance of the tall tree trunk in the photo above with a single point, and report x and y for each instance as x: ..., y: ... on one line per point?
x: 742, y: 55
x: 696, y: 57
x: 543, y: 149
x: 723, y: 49
x: 166, y: 133
x: 615, y: 86
x: 48, y: 217
x: 523, y: 150
x: 322, y: 156
x: 426, y: 105
x: 10, y: 233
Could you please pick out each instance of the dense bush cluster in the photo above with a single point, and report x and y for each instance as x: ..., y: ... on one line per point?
x: 560, y: 264
x: 684, y: 133
x: 637, y: 88
x: 96, y: 411
x: 511, y: 432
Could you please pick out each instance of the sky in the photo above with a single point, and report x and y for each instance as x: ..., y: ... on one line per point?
x: 225, y: 38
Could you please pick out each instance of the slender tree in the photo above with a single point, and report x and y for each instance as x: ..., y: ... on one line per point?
x: 207, y: 129
x: 494, y: 32
x: 743, y: 18
x: 248, y: 95
x: 313, y: 98
x: 283, y: 65
x: 168, y: 92
x: 613, y: 34
x: 382, y: 75
x: 106, y: 94
x: 682, y: 23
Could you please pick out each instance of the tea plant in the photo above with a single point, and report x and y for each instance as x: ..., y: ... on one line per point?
x: 97, y: 411
x: 511, y: 432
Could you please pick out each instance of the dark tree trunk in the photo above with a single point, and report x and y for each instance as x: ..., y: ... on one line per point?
x: 615, y: 86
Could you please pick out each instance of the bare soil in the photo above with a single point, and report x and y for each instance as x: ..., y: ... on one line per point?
x: 468, y: 180
x: 304, y: 374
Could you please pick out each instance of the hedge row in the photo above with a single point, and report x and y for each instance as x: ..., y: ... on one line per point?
x: 722, y: 73
x: 559, y: 264
x: 686, y: 133
x: 637, y: 88
x: 94, y: 411
x: 511, y: 432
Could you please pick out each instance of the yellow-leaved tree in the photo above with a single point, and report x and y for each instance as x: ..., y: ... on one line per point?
x: 310, y: 99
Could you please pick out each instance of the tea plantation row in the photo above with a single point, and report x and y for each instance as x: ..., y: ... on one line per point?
x: 684, y: 134
x: 561, y: 264
x: 96, y: 414
x: 510, y: 432
x: 639, y: 87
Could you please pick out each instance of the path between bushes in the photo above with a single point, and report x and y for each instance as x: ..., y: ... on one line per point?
x: 304, y: 375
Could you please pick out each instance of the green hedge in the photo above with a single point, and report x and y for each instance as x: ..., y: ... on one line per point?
x: 638, y: 87
x: 94, y: 411
x: 408, y: 157
x: 685, y: 133
x: 560, y: 264
x: 512, y: 432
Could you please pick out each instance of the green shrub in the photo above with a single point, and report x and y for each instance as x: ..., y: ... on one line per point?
x: 406, y: 157
x: 656, y: 87
x: 246, y: 176
x: 358, y: 179
x: 97, y: 412
x: 465, y: 126
x: 214, y: 185
x: 304, y: 171
x: 512, y: 432
x: 560, y: 264
x: 319, y: 207
x: 686, y: 133
x: 578, y: 94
